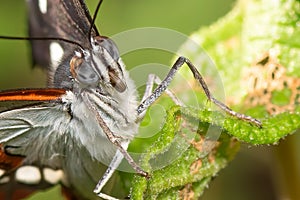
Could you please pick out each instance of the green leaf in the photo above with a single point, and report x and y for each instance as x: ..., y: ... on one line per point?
x: 256, y: 50
x: 170, y: 181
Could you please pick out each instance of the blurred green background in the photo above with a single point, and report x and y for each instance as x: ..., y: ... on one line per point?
x: 252, y: 175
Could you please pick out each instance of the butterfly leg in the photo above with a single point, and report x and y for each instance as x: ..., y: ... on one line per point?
x: 109, y: 172
x: 154, y: 79
x: 116, y: 140
x: 162, y: 87
x: 121, y: 152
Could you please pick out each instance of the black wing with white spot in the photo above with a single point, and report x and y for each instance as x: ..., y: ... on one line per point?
x: 67, y: 19
x: 24, y: 132
x: 27, y: 179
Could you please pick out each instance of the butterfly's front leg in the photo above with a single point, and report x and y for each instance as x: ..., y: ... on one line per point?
x: 154, y: 79
x: 109, y: 172
x: 163, y: 86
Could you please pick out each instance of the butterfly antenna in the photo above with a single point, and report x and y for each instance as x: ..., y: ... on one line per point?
x: 94, y: 17
x: 42, y: 38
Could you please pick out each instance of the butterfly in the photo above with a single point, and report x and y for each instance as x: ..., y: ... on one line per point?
x: 87, y: 115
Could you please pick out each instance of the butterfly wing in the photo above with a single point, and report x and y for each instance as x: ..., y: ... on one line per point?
x: 39, y: 132
x: 68, y: 19
x: 22, y: 126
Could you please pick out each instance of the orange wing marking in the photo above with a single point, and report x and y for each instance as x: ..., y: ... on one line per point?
x: 32, y: 95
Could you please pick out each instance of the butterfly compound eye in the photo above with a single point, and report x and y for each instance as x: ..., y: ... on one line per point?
x: 110, y: 56
x: 109, y: 46
x: 82, y: 71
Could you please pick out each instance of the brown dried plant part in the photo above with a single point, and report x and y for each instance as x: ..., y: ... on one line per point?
x: 270, y: 86
x: 212, y: 157
x: 198, y: 144
x: 203, y: 144
x: 196, y: 166
x: 187, y: 192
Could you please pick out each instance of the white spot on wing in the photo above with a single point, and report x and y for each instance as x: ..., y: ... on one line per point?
x: 2, y: 172
x: 43, y: 6
x: 28, y: 175
x: 4, y: 179
x: 56, y: 53
x: 53, y: 176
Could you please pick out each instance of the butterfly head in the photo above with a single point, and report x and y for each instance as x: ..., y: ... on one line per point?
x: 99, y: 66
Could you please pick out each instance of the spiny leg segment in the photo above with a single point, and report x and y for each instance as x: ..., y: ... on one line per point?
x: 166, y: 82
